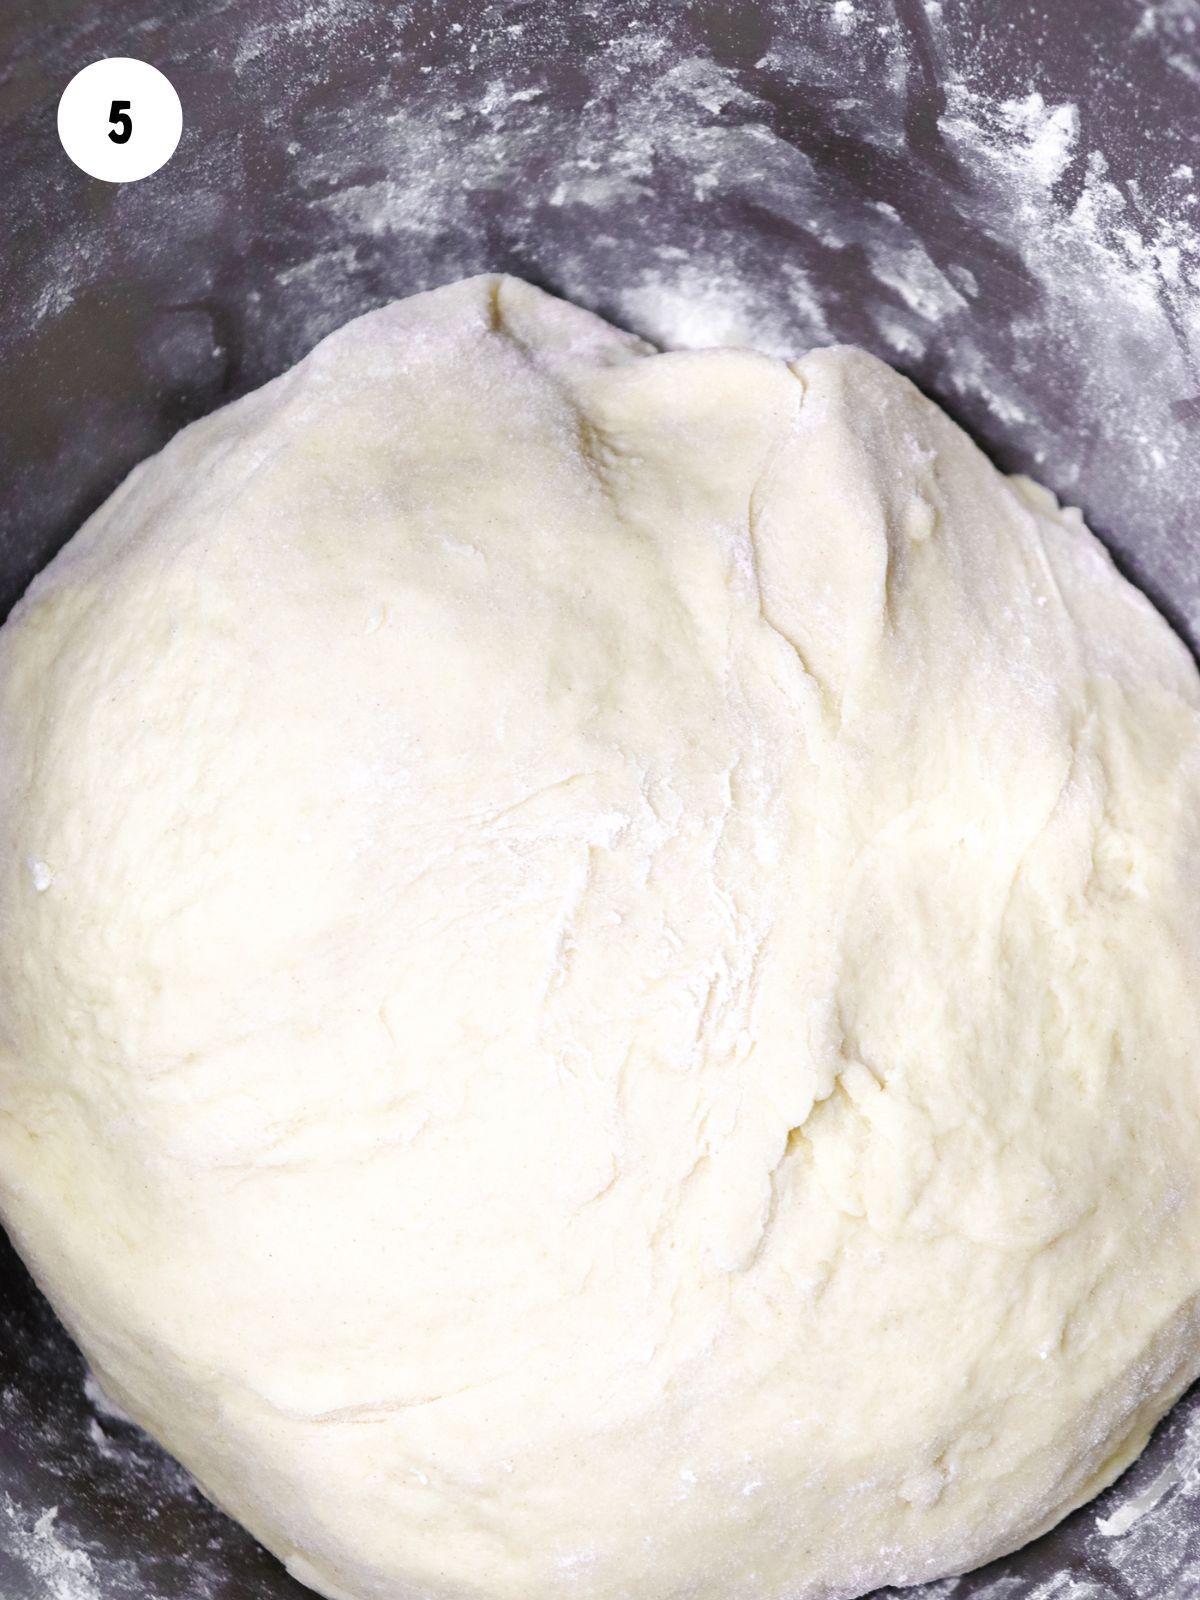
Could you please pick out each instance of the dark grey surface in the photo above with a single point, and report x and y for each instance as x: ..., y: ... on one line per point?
x: 801, y: 173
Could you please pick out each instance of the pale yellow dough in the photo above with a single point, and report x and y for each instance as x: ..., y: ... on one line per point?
x: 600, y: 970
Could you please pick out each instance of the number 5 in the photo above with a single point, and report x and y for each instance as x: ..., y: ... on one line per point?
x: 119, y: 114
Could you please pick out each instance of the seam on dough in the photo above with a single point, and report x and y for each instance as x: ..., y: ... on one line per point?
x: 599, y: 454
x: 753, y: 518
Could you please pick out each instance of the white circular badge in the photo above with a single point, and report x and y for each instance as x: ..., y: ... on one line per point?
x: 119, y: 119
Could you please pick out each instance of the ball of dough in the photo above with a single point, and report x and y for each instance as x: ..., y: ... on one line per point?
x: 598, y: 969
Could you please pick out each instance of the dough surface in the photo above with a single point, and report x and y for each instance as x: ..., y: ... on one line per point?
x: 599, y: 969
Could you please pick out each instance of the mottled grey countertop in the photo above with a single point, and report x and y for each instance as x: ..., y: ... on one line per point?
x: 998, y: 196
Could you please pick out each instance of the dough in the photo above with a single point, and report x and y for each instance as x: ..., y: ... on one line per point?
x: 599, y: 967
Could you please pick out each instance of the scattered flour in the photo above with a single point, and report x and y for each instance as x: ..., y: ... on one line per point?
x: 1182, y: 1472
x: 64, y: 1570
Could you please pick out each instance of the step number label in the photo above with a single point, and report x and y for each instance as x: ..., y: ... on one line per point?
x: 119, y: 119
